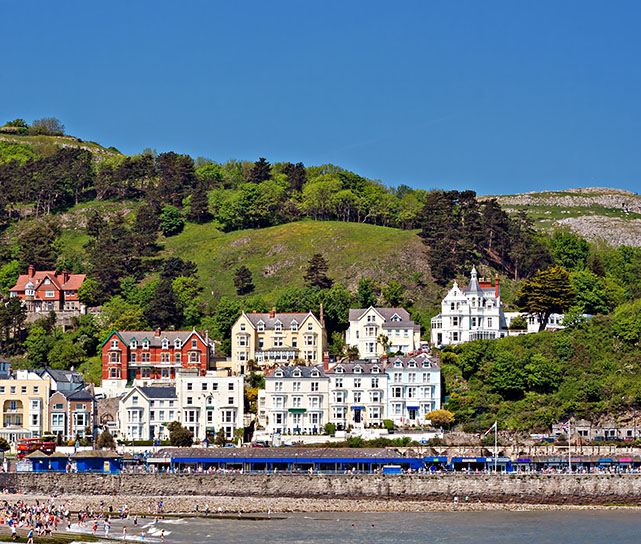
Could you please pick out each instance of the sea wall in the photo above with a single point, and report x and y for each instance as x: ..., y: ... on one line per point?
x: 542, y: 489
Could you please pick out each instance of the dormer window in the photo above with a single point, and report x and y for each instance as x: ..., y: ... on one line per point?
x: 412, y: 364
x: 177, y: 343
x: 396, y: 317
x: 278, y: 327
x: 261, y: 326
x: 145, y: 344
x: 339, y: 370
x: 165, y: 344
x: 134, y: 343
x: 294, y: 326
x: 426, y: 364
x: 47, y: 281
x: 279, y: 374
x: 375, y: 370
x: 297, y: 374
x: 398, y: 364
x: 357, y: 370
x: 315, y: 374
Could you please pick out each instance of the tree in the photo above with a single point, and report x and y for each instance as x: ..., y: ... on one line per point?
x: 365, y: 294
x: 145, y: 228
x: 548, y: 292
x: 337, y: 343
x: 221, y: 438
x: 9, y: 273
x: 519, y: 323
x: 243, y: 280
x: 89, y: 293
x: 179, y: 436
x: 4, y: 445
x: 48, y: 126
x: 394, y: 293
x: 261, y: 171
x: 440, y: 418
x: 173, y: 267
x: 164, y: 310
x: 296, y: 175
x: 198, y: 204
x: 569, y: 250
x: 384, y: 341
x: 171, y: 222
x: 316, y: 273
x: 330, y: 429
x: 105, y: 441
x: 17, y: 123
x: 66, y: 354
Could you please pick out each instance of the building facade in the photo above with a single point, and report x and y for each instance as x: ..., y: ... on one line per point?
x: 273, y: 338
x: 145, y: 412
x: 44, y: 290
x: 151, y: 357
x: 210, y: 403
x: 370, y: 327
x: 358, y: 394
x: 475, y: 313
x: 414, y: 388
x: 24, y: 397
x: 295, y: 400
x: 72, y: 414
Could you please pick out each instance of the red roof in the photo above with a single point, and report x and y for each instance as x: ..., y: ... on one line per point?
x: 74, y: 281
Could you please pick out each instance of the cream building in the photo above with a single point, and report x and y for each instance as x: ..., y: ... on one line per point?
x: 272, y: 338
x: 358, y: 394
x: 368, y: 325
x: 24, y: 396
x: 295, y: 400
x: 144, y: 412
x: 210, y: 403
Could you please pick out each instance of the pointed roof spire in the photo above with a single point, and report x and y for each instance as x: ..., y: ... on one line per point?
x: 474, y: 286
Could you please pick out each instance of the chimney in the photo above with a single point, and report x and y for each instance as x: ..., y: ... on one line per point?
x: 326, y: 361
x: 497, y: 287
x: 157, y: 333
x: 32, y: 271
x: 65, y: 276
x: 272, y: 314
x: 322, y: 315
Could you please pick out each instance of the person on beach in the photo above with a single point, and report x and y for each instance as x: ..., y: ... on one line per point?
x: 14, y: 531
x: 162, y: 535
x: 107, y: 527
x: 124, y: 532
x: 30, y: 537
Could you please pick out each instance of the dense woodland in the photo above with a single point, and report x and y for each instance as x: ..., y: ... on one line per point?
x: 590, y: 368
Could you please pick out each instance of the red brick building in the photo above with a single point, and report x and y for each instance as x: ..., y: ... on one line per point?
x: 44, y: 290
x: 143, y: 357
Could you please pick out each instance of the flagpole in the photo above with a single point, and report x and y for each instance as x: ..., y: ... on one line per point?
x: 496, y: 430
x: 570, y: 446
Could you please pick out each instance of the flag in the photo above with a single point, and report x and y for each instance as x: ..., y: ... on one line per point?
x: 490, y: 429
x: 565, y: 427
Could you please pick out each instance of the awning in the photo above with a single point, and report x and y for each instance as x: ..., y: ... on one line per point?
x: 357, y: 407
x: 412, y: 407
x: 297, y: 410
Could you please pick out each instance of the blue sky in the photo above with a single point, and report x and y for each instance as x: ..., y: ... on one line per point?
x: 498, y: 97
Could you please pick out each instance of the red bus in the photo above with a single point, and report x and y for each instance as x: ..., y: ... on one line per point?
x: 29, y: 445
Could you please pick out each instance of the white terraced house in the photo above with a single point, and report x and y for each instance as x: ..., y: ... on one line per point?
x: 414, y: 388
x: 295, y: 400
x: 210, y: 403
x: 357, y: 394
x: 475, y: 313
x: 367, y: 325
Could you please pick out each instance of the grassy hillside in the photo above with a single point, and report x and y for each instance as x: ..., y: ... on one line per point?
x: 40, y: 141
x: 277, y: 256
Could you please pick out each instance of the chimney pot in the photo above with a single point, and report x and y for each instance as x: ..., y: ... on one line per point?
x: 326, y: 360
x: 157, y: 333
x: 32, y: 271
x: 272, y: 314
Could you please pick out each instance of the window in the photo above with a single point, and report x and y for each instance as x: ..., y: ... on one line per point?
x: 203, y: 386
x: 310, y: 326
x: 371, y: 318
x: 294, y: 326
x: 194, y: 344
x: 80, y: 407
x: 296, y: 402
x: 357, y: 396
x: 194, y: 357
x: 58, y: 420
x: 50, y: 294
x: 338, y: 382
x: 426, y: 377
x: 2, y: 389
x: 134, y: 400
x: 144, y: 357
x: 165, y: 358
x: 375, y: 412
x: 114, y: 344
x: 375, y: 396
x: 473, y: 321
x: 278, y: 342
x: 455, y: 322
x: 296, y: 386
x: 278, y: 327
x: 294, y: 342
x: 132, y: 357
x: 339, y: 396
x: 489, y: 322
x: 261, y: 327
x: 278, y: 386
x: 190, y: 400
x: 405, y: 333
x: 23, y: 389
x: 177, y: 343
x: 357, y: 382
x: 152, y: 415
x: 230, y: 400
x: 177, y: 357
x: 190, y: 386
x: 145, y: 344
x: 397, y: 392
x: 230, y: 386
x: 314, y: 386
x: 375, y: 383
x: 411, y: 377
x: 13, y: 389
x: 455, y: 337
x: 398, y: 377
x: 242, y: 326
x: 165, y: 344
x: 35, y: 389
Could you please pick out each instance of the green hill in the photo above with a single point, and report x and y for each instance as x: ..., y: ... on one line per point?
x: 277, y: 256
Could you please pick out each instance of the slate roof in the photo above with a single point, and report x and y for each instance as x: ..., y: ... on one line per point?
x: 156, y: 341
x: 285, y: 318
x: 387, y: 314
x: 366, y: 368
x: 306, y: 371
x: 418, y: 359
x: 60, y: 376
x: 260, y: 453
x: 83, y: 394
x: 158, y: 392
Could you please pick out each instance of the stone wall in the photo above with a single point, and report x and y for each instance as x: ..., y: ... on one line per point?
x: 544, y: 489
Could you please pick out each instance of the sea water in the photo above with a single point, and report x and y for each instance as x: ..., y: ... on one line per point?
x: 505, y: 527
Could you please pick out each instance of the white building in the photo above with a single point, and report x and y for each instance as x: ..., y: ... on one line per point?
x: 357, y: 394
x: 144, y: 412
x: 295, y: 400
x: 368, y: 325
x: 210, y: 403
x: 475, y: 313
x: 414, y: 389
